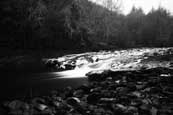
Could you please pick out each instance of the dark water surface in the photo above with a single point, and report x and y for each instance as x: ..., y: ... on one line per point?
x: 20, y: 85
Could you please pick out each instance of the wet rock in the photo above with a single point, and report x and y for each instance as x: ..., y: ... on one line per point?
x: 78, y: 93
x: 117, y: 81
x: 107, y: 93
x: 136, y: 94
x: 121, y: 107
x: 57, y: 104
x: 56, y: 62
x: 153, y: 111
x: 168, y: 91
x: 69, y: 66
x: 68, y: 92
x: 148, y: 89
x: 140, y: 87
x: 109, y: 78
x: 39, y: 104
x: 52, y: 63
x: 17, y: 107
x: 99, y: 111
x: 123, y: 99
x: 16, y: 104
x: 108, y: 100
x: 145, y: 109
x: 77, y: 105
x: 156, y: 102
x: 97, y: 75
x: 85, y: 88
x: 165, y: 75
x: 146, y: 101
x: 154, y: 90
x: 132, y: 110
x: 91, y: 108
x: 165, y: 110
x: 40, y: 107
x: 93, y: 98
x: 122, y: 90
x: 135, y: 102
x: 73, y: 101
x: 171, y: 64
x: 97, y: 89
x: 131, y: 86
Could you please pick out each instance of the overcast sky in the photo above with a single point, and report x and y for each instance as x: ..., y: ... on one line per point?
x: 146, y: 5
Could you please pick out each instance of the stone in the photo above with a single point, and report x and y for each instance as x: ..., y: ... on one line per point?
x: 122, y: 90
x: 78, y: 93
x: 85, y: 88
x: 97, y: 75
x: 153, y: 111
x: 93, y: 98
x: 136, y: 94
x: 97, y: 89
x: 68, y: 92
x: 38, y: 100
x: 40, y: 107
x: 39, y: 104
x: 132, y: 109
x: 108, y: 100
x: 16, y: 104
x: 73, y: 101
x: 69, y: 66
x: 135, y: 102
x: 122, y: 107
x: 145, y: 109
x: 52, y: 63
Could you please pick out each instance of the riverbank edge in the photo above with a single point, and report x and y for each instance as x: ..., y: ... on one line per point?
x: 123, y: 92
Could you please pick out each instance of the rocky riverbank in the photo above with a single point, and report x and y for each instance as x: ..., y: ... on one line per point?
x: 136, y: 92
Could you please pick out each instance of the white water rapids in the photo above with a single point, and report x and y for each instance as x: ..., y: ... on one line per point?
x: 132, y: 59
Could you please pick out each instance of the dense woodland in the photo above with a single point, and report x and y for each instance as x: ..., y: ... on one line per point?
x: 81, y: 24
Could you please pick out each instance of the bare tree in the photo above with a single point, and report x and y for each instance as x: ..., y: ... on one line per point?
x: 113, y: 6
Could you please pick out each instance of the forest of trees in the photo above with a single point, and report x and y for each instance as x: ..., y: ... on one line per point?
x: 67, y: 24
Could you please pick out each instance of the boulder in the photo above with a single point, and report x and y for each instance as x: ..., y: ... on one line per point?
x: 69, y: 66
x: 100, y: 75
x: 73, y: 101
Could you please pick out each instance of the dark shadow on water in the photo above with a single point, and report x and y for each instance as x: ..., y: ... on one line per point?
x: 20, y: 85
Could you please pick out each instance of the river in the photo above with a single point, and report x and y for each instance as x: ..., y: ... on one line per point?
x: 24, y: 85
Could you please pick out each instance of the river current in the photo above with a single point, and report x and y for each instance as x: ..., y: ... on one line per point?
x: 34, y: 84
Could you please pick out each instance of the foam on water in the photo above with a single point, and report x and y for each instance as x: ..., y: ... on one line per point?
x: 116, y: 60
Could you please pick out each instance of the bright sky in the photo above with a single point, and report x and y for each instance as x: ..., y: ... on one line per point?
x: 146, y: 5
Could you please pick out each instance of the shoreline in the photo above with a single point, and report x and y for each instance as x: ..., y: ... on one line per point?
x: 128, y: 92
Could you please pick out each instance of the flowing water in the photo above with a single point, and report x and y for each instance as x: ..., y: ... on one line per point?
x: 133, y: 59
x: 33, y: 84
